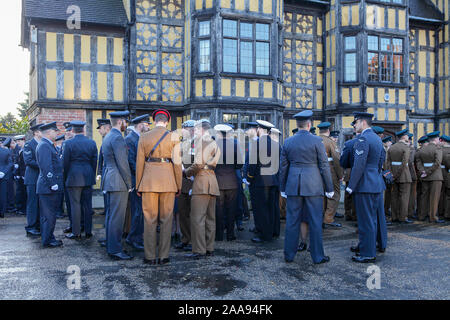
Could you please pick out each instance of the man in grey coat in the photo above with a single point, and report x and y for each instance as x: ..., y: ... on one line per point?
x: 305, y: 177
x: 116, y: 183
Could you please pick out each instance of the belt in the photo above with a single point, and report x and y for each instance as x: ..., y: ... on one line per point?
x: 163, y: 160
x: 428, y: 164
x: 330, y: 159
x: 395, y: 163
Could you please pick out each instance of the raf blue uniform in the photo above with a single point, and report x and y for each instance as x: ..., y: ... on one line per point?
x: 80, y: 165
x: 366, y: 185
x: 21, y: 197
x: 6, y: 167
x: 304, y: 177
x: 49, y: 187
x: 31, y: 177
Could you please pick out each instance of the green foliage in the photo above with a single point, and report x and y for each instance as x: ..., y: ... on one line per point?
x: 10, y: 125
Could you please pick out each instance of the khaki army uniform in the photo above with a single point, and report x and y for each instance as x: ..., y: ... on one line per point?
x: 412, y: 193
x: 158, y: 178
x: 336, y: 174
x: 388, y: 191
x: 205, y: 189
x: 184, y: 200
x: 398, y: 163
x: 445, y: 194
x: 429, y: 160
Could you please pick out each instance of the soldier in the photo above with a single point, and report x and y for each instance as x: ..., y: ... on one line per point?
x: 398, y: 164
x: 117, y: 184
x: 205, y: 190
x: 367, y: 186
x: 158, y: 180
x: 304, y: 178
x: 10, y: 145
x: 58, y: 145
x: 446, y: 162
x: 135, y: 236
x: 263, y: 175
x: 21, y: 196
x: 331, y: 205
x: 104, y: 127
x: 184, y: 199
x: 346, y: 162
x: 423, y: 141
x: 6, y: 169
x: 387, y: 143
x: 68, y: 134
x: 50, y: 183
x: 412, y: 170
x: 429, y: 161
x: 230, y: 160
x: 80, y: 164
x: 442, y: 203
x: 30, y: 181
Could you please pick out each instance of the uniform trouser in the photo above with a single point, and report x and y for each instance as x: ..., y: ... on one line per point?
x: 367, y: 210
x: 239, y: 213
x: 276, y: 212
x: 21, y: 196
x: 32, y: 209
x: 3, y: 196
x: 349, y: 206
x: 431, y: 192
x: 381, y: 224
x: 11, y: 193
x: 203, y: 223
x: 387, y: 199
x: 48, y: 207
x: 67, y: 201
x: 137, y: 219
x: 412, y: 199
x: 442, y: 202
x: 157, y: 205
x: 282, y: 207
x: 255, y: 203
x: 419, y: 195
x: 333, y: 203
x: 400, y: 193
x: 81, y: 206
x: 267, y: 211
x: 127, y: 222
x: 115, y: 217
x: 184, y: 213
x: 299, y: 209
x: 447, y: 203
x: 225, y: 213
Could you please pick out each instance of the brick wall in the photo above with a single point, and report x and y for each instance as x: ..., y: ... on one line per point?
x: 60, y: 116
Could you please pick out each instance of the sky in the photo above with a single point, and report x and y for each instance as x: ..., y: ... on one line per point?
x: 14, y: 61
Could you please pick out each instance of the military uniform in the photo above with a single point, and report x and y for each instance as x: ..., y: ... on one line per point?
x: 158, y: 179
x: 413, y: 188
x: 429, y: 160
x: 6, y: 168
x: 346, y: 162
x: 446, y: 163
x: 21, y: 197
x: 443, y: 207
x: 398, y: 164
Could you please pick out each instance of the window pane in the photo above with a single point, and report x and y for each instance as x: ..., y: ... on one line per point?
x: 398, y: 69
x: 350, y: 43
x: 350, y: 67
x: 262, y: 58
x: 398, y: 1
x: 246, y: 57
x: 204, y: 28
x: 229, y: 55
x: 246, y: 30
x: 386, y: 44
x: 204, y: 64
x: 385, y: 61
x: 229, y: 28
x: 372, y: 62
x: 397, y: 45
x: 262, y: 31
x: 230, y: 118
x: 373, y: 43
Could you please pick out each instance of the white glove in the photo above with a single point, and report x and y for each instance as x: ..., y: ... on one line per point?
x: 99, y: 177
x: 2, y: 175
x: 16, y: 166
x: 283, y: 194
x: 329, y: 195
x: 131, y: 190
x: 190, y: 192
x: 349, y: 190
x: 191, y: 178
x: 55, y: 187
x: 245, y: 181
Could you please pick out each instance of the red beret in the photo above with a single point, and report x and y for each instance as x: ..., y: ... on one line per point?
x: 161, y: 111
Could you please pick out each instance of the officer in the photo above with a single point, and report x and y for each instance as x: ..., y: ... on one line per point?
x: 304, y: 178
x: 429, y: 161
x: 367, y: 186
x: 158, y: 180
x: 80, y: 164
x: 230, y: 160
x: 204, y: 191
x: 21, y: 192
x: 446, y: 162
x: 184, y: 199
x: 334, y: 135
x: 263, y: 175
x: 116, y: 182
x: 104, y: 127
x: 346, y: 162
x: 58, y: 145
x: 68, y: 134
x: 6, y: 169
x: 412, y: 171
x: 387, y: 143
x: 10, y: 144
x: 30, y: 181
x: 135, y: 236
x: 331, y: 205
x: 398, y: 164
x: 441, y: 208
x: 423, y: 141
x: 50, y: 183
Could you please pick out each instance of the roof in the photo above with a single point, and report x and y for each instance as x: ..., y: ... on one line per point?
x: 423, y: 10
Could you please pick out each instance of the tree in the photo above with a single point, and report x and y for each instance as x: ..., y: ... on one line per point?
x: 10, y: 125
x: 23, y: 106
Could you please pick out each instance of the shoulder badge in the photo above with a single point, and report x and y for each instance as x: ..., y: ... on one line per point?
x: 359, y: 152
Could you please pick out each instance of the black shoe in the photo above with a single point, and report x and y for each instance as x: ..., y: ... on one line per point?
x: 195, y: 256
x: 135, y: 245
x: 67, y: 230
x: 180, y: 246
x: 231, y: 238
x: 54, y: 244
x: 209, y: 253
x: 333, y: 224
x: 89, y: 235
x: 152, y: 262
x: 103, y: 244
x: 257, y: 240
x: 288, y: 261
x: 381, y: 250
x: 439, y: 221
x: 361, y: 259
x: 395, y: 221
x: 388, y: 223
x: 339, y: 215
x: 20, y: 213
x: 121, y: 256
x: 407, y: 221
x: 302, y: 247
x: 163, y: 261
x: 324, y: 260
x: 187, y: 247
x: 354, y: 248
x: 240, y: 228
x: 72, y: 236
x: 33, y: 233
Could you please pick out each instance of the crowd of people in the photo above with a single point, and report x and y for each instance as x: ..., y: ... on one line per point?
x: 199, y: 181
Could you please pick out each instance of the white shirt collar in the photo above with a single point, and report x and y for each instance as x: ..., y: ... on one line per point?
x: 366, y: 130
x: 134, y: 130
